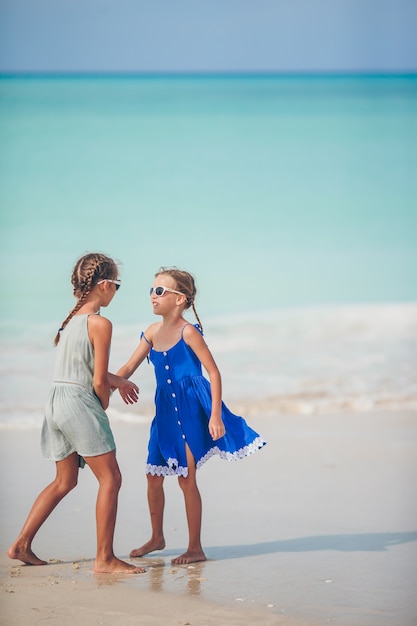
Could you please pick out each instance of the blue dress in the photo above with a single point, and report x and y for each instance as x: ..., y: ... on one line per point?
x: 183, y: 409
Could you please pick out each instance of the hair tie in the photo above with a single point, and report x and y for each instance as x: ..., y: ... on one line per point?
x: 60, y: 329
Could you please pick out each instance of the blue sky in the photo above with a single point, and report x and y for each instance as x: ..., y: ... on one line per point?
x: 208, y: 35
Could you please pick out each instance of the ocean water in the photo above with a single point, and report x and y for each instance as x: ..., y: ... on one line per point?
x: 291, y: 199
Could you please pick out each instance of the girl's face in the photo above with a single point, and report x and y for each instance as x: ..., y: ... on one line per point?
x: 108, y: 289
x: 169, y: 297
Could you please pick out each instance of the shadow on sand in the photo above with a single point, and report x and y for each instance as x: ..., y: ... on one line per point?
x: 365, y: 542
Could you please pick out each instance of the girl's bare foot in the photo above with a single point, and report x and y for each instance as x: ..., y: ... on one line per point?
x: 150, y: 546
x: 25, y: 554
x: 116, y: 566
x: 190, y: 556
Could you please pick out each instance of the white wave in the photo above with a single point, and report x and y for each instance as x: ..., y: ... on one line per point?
x: 129, y: 417
x: 311, y: 360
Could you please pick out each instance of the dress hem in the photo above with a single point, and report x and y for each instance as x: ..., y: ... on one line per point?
x: 173, y: 469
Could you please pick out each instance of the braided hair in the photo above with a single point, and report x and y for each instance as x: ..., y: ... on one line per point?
x: 88, y: 270
x: 185, y: 284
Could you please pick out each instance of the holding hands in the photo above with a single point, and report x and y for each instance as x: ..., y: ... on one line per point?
x: 128, y: 390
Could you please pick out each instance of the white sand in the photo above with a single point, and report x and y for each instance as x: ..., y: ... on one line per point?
x: 318, y: 527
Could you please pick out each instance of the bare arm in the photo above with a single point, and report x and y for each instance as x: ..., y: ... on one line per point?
x: 127, y: 388
x: 131, y: 366
x: 196, y: 342
x: 135, y: 360
x: 100, y: 332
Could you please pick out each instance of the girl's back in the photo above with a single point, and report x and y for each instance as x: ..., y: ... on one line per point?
x: 75, y: 353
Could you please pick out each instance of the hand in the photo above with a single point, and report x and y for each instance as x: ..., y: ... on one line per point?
x: 216, y: 428
x: 129, y: 391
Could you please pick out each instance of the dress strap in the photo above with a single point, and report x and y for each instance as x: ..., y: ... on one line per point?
x: 148, y: 342
x: 144, y: 336
x: 197, y: 326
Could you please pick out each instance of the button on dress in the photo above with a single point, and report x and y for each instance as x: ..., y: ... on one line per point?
x: 183, y: 409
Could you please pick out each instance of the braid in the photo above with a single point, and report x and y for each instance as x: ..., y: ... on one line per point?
x: 88, y: 270
x: 197, y: 318
x: 67, y: 319
x: 82, y: 277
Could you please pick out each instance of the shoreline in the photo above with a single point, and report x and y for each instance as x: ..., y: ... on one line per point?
x: 62, y: 596
x: 320, y: 526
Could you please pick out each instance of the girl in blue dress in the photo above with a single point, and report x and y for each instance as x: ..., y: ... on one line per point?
x: 191, y: 422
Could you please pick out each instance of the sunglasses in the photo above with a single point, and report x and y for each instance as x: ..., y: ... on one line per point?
x: 160, y: 291
x: 110, y: 280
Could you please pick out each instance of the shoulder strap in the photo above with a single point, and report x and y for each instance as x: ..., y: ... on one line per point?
x: 197, y: 326
x: 148, y: 342
x: 144, y: 336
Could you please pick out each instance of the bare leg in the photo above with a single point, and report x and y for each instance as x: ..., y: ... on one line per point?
x: 193, y: 509
x: 156, y: 502
x: 106, y: 470
x: 45, y: 503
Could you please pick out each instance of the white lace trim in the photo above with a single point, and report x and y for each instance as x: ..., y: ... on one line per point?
x: 256, y: 444
x: 174, y: 470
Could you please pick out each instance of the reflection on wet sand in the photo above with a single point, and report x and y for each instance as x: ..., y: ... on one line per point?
x: 159, y: 572
x: 160, y: 575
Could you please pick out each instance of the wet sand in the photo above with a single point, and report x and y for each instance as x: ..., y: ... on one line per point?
x: 319, y: 527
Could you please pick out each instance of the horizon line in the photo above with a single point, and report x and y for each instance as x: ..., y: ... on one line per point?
x: 208, y: 74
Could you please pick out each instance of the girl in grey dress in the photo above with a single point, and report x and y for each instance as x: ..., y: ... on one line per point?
x: 76, y: 429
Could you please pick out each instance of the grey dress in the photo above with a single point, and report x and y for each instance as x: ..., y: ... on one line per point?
x: 75, y: 420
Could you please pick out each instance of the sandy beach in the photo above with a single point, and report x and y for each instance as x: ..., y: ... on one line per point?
x: 320, y: 527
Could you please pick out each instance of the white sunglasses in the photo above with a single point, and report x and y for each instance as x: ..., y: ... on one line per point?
x: 110, y: 280
x: 159, y: 291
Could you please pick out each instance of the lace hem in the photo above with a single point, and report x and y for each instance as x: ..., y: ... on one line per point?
x: 256, y: 444
x: 167, y: 470
x: 172, y: 469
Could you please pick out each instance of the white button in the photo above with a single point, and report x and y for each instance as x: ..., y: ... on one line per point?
x: 179, y: 423
x: 183, y: 436
x: 167, y: 367
x: 176, y: 408
x: 165, y: 353
x: 169, y: 381
x: 173, y: 395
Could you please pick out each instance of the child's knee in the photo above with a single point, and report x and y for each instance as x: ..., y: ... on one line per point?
x: 66, y: 485
x: 111, y: 480
x: 187, y: 482
x: 117, y: 479
x: 72, y: 485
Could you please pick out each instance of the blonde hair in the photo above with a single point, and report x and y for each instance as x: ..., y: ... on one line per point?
x: 185, y: 283
x: 88, y: 270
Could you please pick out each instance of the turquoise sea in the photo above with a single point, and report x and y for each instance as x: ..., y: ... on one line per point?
x: 292, y: 199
